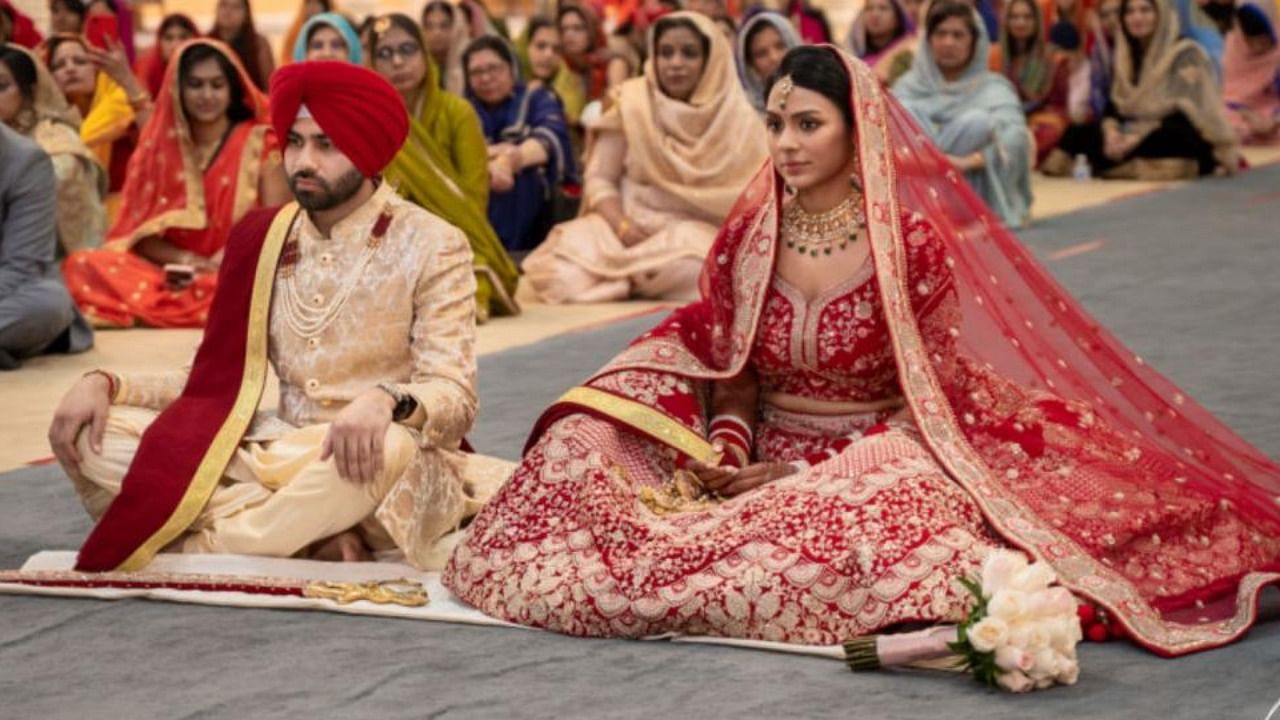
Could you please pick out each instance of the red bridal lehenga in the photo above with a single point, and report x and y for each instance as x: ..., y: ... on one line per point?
x: 1032, y: 427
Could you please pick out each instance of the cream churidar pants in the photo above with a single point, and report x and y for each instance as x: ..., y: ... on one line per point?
x: 275, y: 499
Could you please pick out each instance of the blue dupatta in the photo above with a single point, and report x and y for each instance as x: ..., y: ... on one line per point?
x: 518, y: 214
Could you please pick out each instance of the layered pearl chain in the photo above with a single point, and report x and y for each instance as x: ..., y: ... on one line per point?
x: 310, y: 319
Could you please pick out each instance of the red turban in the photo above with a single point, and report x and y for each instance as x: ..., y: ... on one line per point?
x: 360, y: 112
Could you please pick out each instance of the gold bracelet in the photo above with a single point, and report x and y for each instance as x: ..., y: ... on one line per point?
x: 624, y: 227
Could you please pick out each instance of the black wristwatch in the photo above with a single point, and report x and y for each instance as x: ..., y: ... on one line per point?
x: 405, y: 403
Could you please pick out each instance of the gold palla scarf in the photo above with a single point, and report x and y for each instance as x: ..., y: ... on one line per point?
x: 1176, y: 76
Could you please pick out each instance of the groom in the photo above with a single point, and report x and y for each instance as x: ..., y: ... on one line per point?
x: 363, y: 305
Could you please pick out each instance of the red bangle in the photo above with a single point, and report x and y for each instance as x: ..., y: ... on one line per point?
x: 737, y: 450
x: 113, y: 385
x: 735, y: 455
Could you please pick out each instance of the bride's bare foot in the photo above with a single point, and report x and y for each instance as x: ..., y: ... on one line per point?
x: 343, y: 547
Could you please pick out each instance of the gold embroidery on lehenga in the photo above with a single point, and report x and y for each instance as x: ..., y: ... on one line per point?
x: 683, y: 493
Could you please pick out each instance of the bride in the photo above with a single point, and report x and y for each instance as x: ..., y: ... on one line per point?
x: 878, y: 386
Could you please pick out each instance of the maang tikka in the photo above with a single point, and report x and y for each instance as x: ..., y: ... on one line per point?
x: 785, y: 86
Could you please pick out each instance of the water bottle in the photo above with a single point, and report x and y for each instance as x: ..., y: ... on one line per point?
x: 1081, y: 172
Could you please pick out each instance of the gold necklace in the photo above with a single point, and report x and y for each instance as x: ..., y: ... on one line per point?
x: 822, y: 233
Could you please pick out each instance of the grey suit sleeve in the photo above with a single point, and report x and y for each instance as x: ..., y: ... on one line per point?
x: 28, y: 236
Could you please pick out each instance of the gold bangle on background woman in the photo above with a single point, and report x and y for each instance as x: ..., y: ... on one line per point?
x: 140, y: 101
x: 624, y: 227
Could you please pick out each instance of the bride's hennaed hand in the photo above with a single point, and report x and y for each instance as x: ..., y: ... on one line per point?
x: 712, y: 477
x: 753, y: 476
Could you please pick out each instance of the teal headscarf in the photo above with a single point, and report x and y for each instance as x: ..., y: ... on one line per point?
x: 355, y: 53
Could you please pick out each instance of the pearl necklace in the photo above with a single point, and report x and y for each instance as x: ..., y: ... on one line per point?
x: 309, y: 320
x: 822, y: 233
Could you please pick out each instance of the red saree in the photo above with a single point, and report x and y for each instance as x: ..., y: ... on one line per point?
x: 168, y: 196
x: 1032, y: 427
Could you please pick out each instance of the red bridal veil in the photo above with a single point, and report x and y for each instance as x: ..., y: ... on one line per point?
x: 1076, y: 450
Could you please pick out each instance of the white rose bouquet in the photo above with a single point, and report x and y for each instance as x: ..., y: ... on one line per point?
x: 1020, y: 635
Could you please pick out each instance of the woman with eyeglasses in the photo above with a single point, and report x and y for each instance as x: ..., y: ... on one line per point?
x: 444, y: 165
x: 529, y: 149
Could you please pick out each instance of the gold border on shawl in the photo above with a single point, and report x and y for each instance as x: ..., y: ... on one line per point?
x: 193, y: 215
x: 645, y: 419
x: 249, y: 173
x: 1076, y: 569
x: 510, y: 306
x: 227, y: 439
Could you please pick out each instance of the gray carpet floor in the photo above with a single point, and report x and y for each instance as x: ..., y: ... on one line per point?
x: 1185, y: 277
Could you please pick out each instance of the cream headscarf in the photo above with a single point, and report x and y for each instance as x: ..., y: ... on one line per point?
x: 54, y: 124
x: 1176, y: 76
x: 702, y: 152
x: 49, y: 120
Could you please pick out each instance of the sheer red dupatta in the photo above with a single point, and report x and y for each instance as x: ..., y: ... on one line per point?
x: 1076, y: 451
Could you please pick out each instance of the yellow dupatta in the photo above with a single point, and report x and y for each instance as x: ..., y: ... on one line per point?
x: 109, y: 117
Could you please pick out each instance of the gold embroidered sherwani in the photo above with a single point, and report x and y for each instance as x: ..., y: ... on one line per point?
x: 409, y: 320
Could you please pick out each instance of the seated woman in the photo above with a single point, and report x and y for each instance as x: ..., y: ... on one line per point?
x: 33, y: 105
x: 328, y: 36
x: 529, y: 150
x: 1164, y: 118
x: 539, y: 50
x: 233, y: 25
x: 76, y: 17
x: 17, y: 28
x: 1102, y: 61
x: 1251, y: 73
x: 110, y: 99
x: 1080, y: 14
x: 306, y: 11
x: 67, y: 16
x: 1039, y: 75
x: 444, y: 166
x: 445, y: 34
x: 667, y: 162
x: 762, y: 43
x: 585, y: 48
x: 175, y: 29
x: 810, y: 21
x: 884, y: 37
x: 205, y: 158
x: 972, y: 114
x: 856, y: 414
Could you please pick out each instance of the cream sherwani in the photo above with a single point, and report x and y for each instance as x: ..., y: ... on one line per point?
x: 409, y: 320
